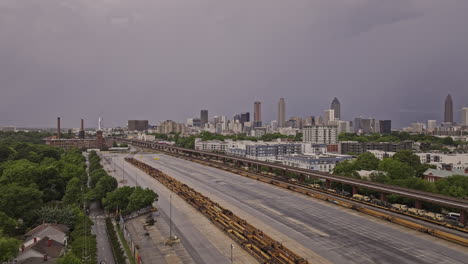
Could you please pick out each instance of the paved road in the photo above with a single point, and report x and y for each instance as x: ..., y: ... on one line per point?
x: 337, y: 234
x: 199, y: 246
x: 104, y: 250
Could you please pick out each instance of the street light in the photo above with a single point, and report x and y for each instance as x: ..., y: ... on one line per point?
x: 232, y: 247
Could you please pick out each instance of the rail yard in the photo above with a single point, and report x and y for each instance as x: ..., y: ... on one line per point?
x: 309, y: 226
x: 260, y: 245
x: 417, y: 196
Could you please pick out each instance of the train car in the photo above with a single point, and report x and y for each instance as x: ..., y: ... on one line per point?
x: 400, y: 207
x: 453, y: 216
x: 434, y: 216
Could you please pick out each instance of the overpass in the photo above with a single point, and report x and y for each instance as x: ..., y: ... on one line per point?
x: 383, y: 189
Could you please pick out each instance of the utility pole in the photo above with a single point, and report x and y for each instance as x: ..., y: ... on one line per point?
x: 170, y: 216
x: 232, y: 247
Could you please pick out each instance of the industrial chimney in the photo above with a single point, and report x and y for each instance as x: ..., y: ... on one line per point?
x: 81, y: 134
x: 58, y: 127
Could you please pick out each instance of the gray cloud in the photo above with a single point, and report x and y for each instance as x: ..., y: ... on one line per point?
x: 168, y: 59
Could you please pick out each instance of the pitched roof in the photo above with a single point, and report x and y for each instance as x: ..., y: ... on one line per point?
x: 444, y: 173
x: 35, y: 260
x: 38, y: 229
x: 53, y: 251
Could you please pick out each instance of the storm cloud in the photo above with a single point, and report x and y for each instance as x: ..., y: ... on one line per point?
x: 167, y: 59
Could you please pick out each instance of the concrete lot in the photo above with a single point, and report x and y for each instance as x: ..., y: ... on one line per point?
x: 314, y: 229
x: 203, y: 241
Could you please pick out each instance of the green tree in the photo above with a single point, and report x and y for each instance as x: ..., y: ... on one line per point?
x: 346, y: 168
x: 105, y: 184
x: 141, y: 198
x: 73, y: 193
x: 395, y: 169
x: 366, y: 161
x: 95, y: 176
x: 17, y: 201
x: 118, y: 199
x: 69, y: 258
x: 8, y: 248
x: 55, y: 214
x: 407, y: 156
x: 22, y: 172
x: 6, y: 153
x: 448, y: 141
x: 456, y: 186
x: 7, y: 224
x: 51, y: 183
x: 70, y: 170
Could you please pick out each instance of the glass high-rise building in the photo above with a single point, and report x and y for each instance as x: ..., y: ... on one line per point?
x: 281, y: 113
x: 448, y: 114
x: 335, y: 105
x: 257, y: 114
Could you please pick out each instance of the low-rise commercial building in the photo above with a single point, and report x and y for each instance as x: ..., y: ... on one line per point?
x: 323, y: 163
x: 433, y: 175
x: 361, y: 147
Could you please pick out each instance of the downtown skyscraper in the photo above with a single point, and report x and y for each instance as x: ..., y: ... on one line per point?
x: 257, y: 114
x: 281, y: 113
x: 336, y: 106
x: 448, y: 114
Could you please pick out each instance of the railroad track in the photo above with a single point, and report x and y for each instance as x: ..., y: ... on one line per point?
x: 253, y: 240
x: 312, y: 192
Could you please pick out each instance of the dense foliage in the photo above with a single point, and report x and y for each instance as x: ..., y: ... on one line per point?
x: 428, y: 142
x: 129, y: 199
x: 41, y: 183
x: 403, y: 169
x: 116, y: 248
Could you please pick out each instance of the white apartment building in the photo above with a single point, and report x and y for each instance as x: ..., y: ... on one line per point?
x: 211, y: 145
x: 382, y: 154
x: 321, y: 134
x: 344, y: 126
x: 431, y: 125
x: 464, y: 114
x: 329, y: 116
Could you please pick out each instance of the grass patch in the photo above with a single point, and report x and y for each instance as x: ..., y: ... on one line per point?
x: 116, y: 248
x: 125, y: 245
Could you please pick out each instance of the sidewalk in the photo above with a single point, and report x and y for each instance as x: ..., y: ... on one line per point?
x: 151, y: 241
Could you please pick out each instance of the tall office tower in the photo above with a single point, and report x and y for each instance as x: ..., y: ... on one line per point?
x: 281, y: 113
x: 448, y: 115
x: 244, y: 117
x: 204, y: 117
x: 335, y: 105
x: 385, y: 126
x: 137, y: 125
x: 257, y: 114
x: 431, y: 125
x: 329, y: 116
x: 464, y: 120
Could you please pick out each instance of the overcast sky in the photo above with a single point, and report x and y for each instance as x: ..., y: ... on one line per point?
x: 167, y: 59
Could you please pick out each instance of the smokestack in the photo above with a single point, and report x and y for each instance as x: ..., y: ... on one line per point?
x: 58, y: 127
x: 81, y: 134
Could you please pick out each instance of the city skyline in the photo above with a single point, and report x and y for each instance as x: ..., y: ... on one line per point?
x: 142, y: 60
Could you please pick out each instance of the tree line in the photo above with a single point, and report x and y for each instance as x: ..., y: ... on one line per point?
x: 403, y: 169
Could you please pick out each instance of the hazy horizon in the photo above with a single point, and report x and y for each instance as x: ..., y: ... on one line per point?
x: 158, y: 60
